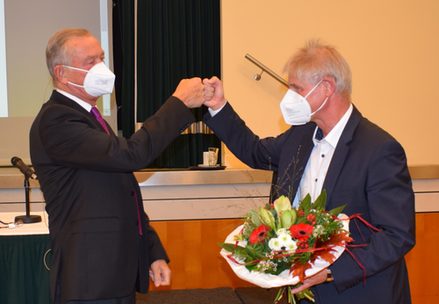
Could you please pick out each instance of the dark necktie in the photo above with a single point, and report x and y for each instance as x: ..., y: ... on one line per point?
x: 97, y: 115
x: 319, y: 134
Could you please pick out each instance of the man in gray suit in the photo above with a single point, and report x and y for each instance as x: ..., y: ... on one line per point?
x: 103, y: 246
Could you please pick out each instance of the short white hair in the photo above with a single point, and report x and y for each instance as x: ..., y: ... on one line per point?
x: 56, y: 52
x: 315, y: 61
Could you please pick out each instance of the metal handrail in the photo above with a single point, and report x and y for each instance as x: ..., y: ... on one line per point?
x: 265, y: 69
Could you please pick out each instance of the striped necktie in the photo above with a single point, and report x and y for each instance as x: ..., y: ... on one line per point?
x: 99, y: 118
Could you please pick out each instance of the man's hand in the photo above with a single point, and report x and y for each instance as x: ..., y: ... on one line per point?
x: 191, y: 92
x: 214, y: 93
x: 160, y: 273
x: 318, y: 278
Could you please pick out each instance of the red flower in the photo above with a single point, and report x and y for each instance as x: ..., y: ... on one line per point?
x: 311, y: 218
x: 258, y: 235
x: 303, y: 244
x: 301, y: 231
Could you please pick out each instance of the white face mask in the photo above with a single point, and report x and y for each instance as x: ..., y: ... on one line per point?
x: 98, y: 81
x: 295, y: 108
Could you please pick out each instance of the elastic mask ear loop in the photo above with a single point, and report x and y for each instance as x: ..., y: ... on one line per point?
x: 321, y: 106
x: 75, y: 84
x: 312, y: 90
x: 323, y: 103
x: 73, y: 68
x: 78, y: 69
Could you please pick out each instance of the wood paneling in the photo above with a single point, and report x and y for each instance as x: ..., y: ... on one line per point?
x: 422, y: 260
x: 193, y: 249
x: 195, y: 261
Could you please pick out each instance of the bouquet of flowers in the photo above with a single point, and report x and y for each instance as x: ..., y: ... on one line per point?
x: 279, y: 246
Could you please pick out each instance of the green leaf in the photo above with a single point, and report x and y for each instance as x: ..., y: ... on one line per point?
x: 305, y: 204
x: 255, y: 251
x: 336, y: 211
x: 229, y: 247
x: 320, y: 202
x: 246, y: 253
x: 253, y: 215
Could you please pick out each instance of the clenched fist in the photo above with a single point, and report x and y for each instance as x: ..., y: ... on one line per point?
x: 191, y: 92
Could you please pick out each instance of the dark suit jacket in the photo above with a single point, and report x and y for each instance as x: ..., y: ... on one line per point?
x: 93, y: 199
x: 368, y: 172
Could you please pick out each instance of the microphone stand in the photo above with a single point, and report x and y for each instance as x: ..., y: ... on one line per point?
x: 27, y: 219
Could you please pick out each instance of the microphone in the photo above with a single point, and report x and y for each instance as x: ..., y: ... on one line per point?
x: 25, y: 169
x: 28, y: 173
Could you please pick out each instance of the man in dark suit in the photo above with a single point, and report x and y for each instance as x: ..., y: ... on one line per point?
x: 332, y: 146
x: 103, y: 246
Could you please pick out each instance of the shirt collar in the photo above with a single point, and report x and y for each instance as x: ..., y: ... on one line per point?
x: 334, y: 135
x: 79, y: 101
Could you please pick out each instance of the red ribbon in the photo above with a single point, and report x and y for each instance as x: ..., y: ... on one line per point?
x: 372, y: 227
x: 358, y: 262
x: 358, y: 216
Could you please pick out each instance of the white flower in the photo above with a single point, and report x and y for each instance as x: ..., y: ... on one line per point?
x: 283, y: 241
x: 284, y: 238
x: 291, y: 245
x: 282, y: 231
x: 266, y: 265
x: 275, y: 244
x: 318, y: 230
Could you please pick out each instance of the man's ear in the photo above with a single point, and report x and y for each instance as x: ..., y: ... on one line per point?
x: 59, y: 74
x: 329, y: 85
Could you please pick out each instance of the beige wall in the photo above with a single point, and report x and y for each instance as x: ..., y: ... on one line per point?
x: 392, y: 47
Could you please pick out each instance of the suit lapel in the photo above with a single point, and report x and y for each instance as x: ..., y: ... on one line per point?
x: 296, y: 155
x: 301, y: 159
x: 341, y: 153
x: 59, y: 98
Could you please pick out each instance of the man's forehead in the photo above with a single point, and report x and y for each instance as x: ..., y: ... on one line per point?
x: 295, y: 83
x: 84, y: 47
x: 80, y: 40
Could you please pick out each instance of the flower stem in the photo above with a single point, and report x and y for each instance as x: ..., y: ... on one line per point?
x: 309, y: 296
x: 291, y: 297
x: 279, y: 295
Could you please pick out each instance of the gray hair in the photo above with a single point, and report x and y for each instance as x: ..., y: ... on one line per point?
x: 56, y: 51
x: 315, y: 61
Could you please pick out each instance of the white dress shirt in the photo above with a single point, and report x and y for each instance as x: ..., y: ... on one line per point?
x: 319, y: 161
x: 79, y: 101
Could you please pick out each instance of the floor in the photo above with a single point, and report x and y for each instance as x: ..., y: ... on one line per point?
x: 210, y: 296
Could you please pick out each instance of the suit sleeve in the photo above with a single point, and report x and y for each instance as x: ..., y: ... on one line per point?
x: 390, y: 201
x: 156, y: 250
x: 71, y: 140
x: 248, y: 147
